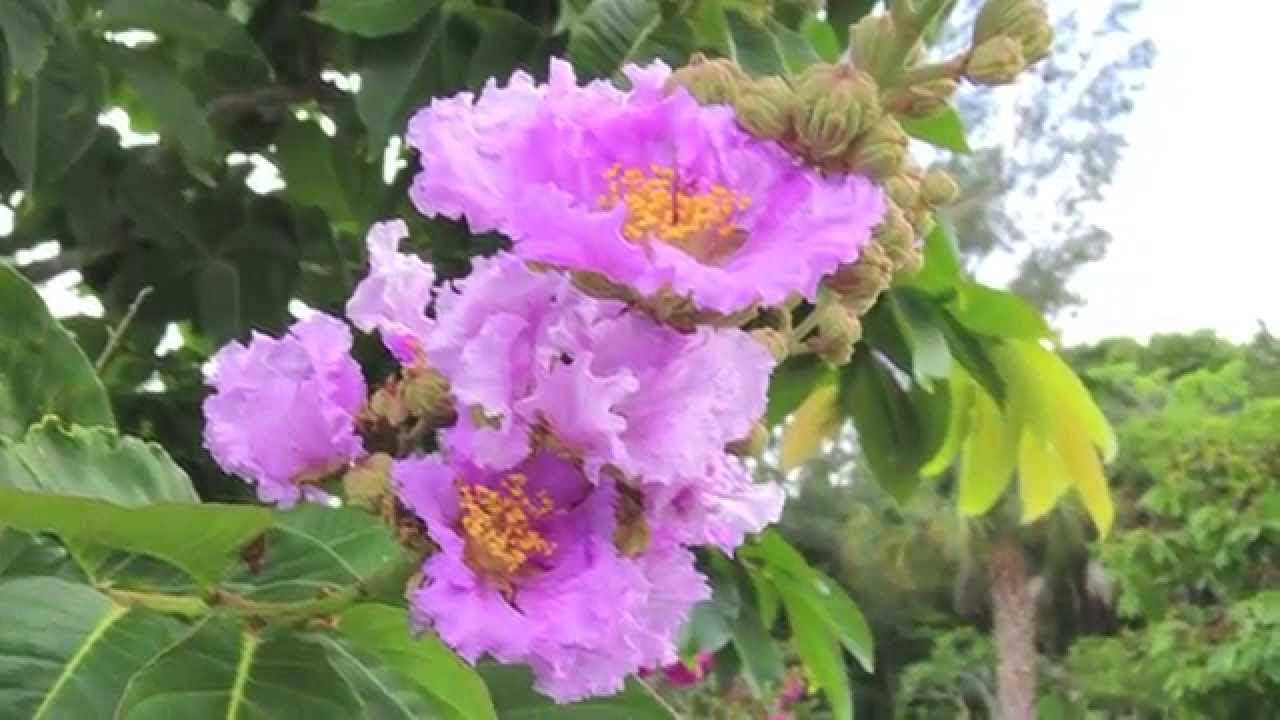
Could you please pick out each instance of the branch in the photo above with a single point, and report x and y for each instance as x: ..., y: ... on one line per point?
x: 114, y: 335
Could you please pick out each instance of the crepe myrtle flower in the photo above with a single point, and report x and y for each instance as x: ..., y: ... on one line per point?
x: 393, y: 297
x: 528, y: 570
x: 643, y: 186
x: 283, y: 410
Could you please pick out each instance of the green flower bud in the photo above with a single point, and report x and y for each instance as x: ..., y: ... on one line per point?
x: 765, y: 107
x: 753, y: 444
x: 921, y: 99
x: 1026, y: 21
x: 938, y: 189
x: 777, y: 343
x: 387, y: 406
x: 996, y: 62
x: 872, y: 40
x: 425, y: 394
x: 712, y: 82
x: 368, y: 484
x: 834, y: 103
x: 882, y: 151
x: 903, y: 189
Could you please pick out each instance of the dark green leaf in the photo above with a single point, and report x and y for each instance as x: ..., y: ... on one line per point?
x: 889, y: 431
x: 191, y: 21
x: 609, y: 33
x: 710, y: 623
x: 55, y: 117
x: 177, y: 113
x: 372, y: 18
x: 792, y: 382
x: 314, y: 550
x: 943, y: 129
x: 386, y: 693
x: 42, y: 369
x: 843, y: 13
x: 820, y: 652
x: 999, y: 313
x: 506, y: 42
x: 515, y: 698
x: 222, y: 670
x: 970, y: 350
x: 92, y: 463
x: 26, y: 35
x: 164, y: 531
x: 397, y: 74
x: 24, y: 555
x: 305, y: 156
x: 218, y: 300
x: 918, y: 319
x: 761, y: 660
x: 383, y: 632
x: 769, y: 47
x: 67, y: 651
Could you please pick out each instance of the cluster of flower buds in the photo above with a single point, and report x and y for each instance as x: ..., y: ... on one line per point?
x: 1008, y: 36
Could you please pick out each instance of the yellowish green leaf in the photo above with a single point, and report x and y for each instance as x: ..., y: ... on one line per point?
x: 1042, y: 475
x: 817, y: 419
x: 1085, y: 470
x: 963, y: 390
x: 988, y: 457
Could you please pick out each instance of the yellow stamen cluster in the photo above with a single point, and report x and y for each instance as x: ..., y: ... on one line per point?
x: 703, y: 223
x: 498, y: 527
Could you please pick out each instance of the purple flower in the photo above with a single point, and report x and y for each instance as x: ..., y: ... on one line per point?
x: 719, y: 507
x: 283, y: 411
x: 393, y: 298
x: 645, y: 186
x: 527, y: 571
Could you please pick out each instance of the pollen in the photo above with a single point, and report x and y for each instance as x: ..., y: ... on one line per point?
x: 499, y: 526
x: 701, y: 221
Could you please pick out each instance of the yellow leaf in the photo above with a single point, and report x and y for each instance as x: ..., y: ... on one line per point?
x: 1046, y: 390
x: 817, y: 419
x: 1085, y: 469
x: 1042, y: 475
x: 988, y: 457
x: 963, y: 389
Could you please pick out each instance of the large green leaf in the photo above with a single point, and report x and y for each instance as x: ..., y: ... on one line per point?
x: 918, y: 319
x: 68, y: 651
x: 988, y: 456
x: 999, y: 313
x: 890, y: 430
x: 92, y: 463
x: 943, y: 129
x: 761, y: 659
x: 305, y: 156
x: 387, y: 694
x: 383, y: 633
x: 314, y: 550
x: 42, y: 369
x: 515, y: 699
x: 25, y: 555
x: 820, y: 652
x: 609, y: 33
x: 223, y: 671
x: 767, y: 47
x: 372, y: 18
x: 54, y: 119
x: 398, y: 73
x: 202, y: 540
x: 189, y: 21
x: 174, y: 109
x: 27, y: 35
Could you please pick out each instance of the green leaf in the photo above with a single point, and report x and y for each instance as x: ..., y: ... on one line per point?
x: 42, y: 369
x: 178, y: 114
x: 26, y: 35
x: 163, y: 531
x: 515, y: 699
x: 941, y: 274
x: 67, y: 651
x: 92, y: 463
x: 55, y: 117
x: 973, y: 353
x: 768, y: 47
x: 386, y: 694
x: 817, y: 419
x: 843, y: 13
x: 960, y: 411
x: 305, y: 156
x: 609, y: 33
x: 24, y: 555
x: 820, y: 652
x: 398, y: 73
x: 314, y: 549
x: 999, y: 313
x: 372, y: 18
x: 988, y: 457
x: 890, y: 431
x: 822, y: 38
x: 218, y: 300
x: 1042, y: 476
x: 942, y: 129
x: 761, y: 660
x: 709, y: 626
x: 190, y: 21
x: 792, y: 382
x: 383, y: 632
x: 919, y: 321
x: 222, y: 671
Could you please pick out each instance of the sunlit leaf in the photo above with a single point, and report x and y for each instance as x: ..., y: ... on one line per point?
x: 1042, y: 475
x: 943, y: 129
x: 817, y: 419
x: 988, y: 457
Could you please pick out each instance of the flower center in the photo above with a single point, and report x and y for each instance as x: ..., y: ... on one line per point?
x: 498, y: 526
x: 660, y: 206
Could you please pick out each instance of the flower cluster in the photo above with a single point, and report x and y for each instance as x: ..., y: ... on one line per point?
x: 586, y: 451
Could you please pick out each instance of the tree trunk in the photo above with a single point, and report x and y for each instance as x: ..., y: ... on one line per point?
x: 1013, y: 611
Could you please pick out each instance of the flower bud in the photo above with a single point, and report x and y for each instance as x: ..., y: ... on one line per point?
x: 897, y: 236
x: 753, y: 444
x: 711, y: 82
x: 367, y: 485
x: 777, y: 343
x: 938, y: 189
x: 996, y: 62
x: 921, y: 99
x: 387, y: 406
x: 765, y: 107
x: 425, y: 394
x: 872, y: 41
x: 834, y: 104
x: 903, y: 189
x: 881, y: 152
x: 1026, y: 21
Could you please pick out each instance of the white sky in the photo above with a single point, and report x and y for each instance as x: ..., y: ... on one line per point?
x: 1193, y: 207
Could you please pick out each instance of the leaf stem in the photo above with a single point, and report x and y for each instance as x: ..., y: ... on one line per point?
x: 114, y: 335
